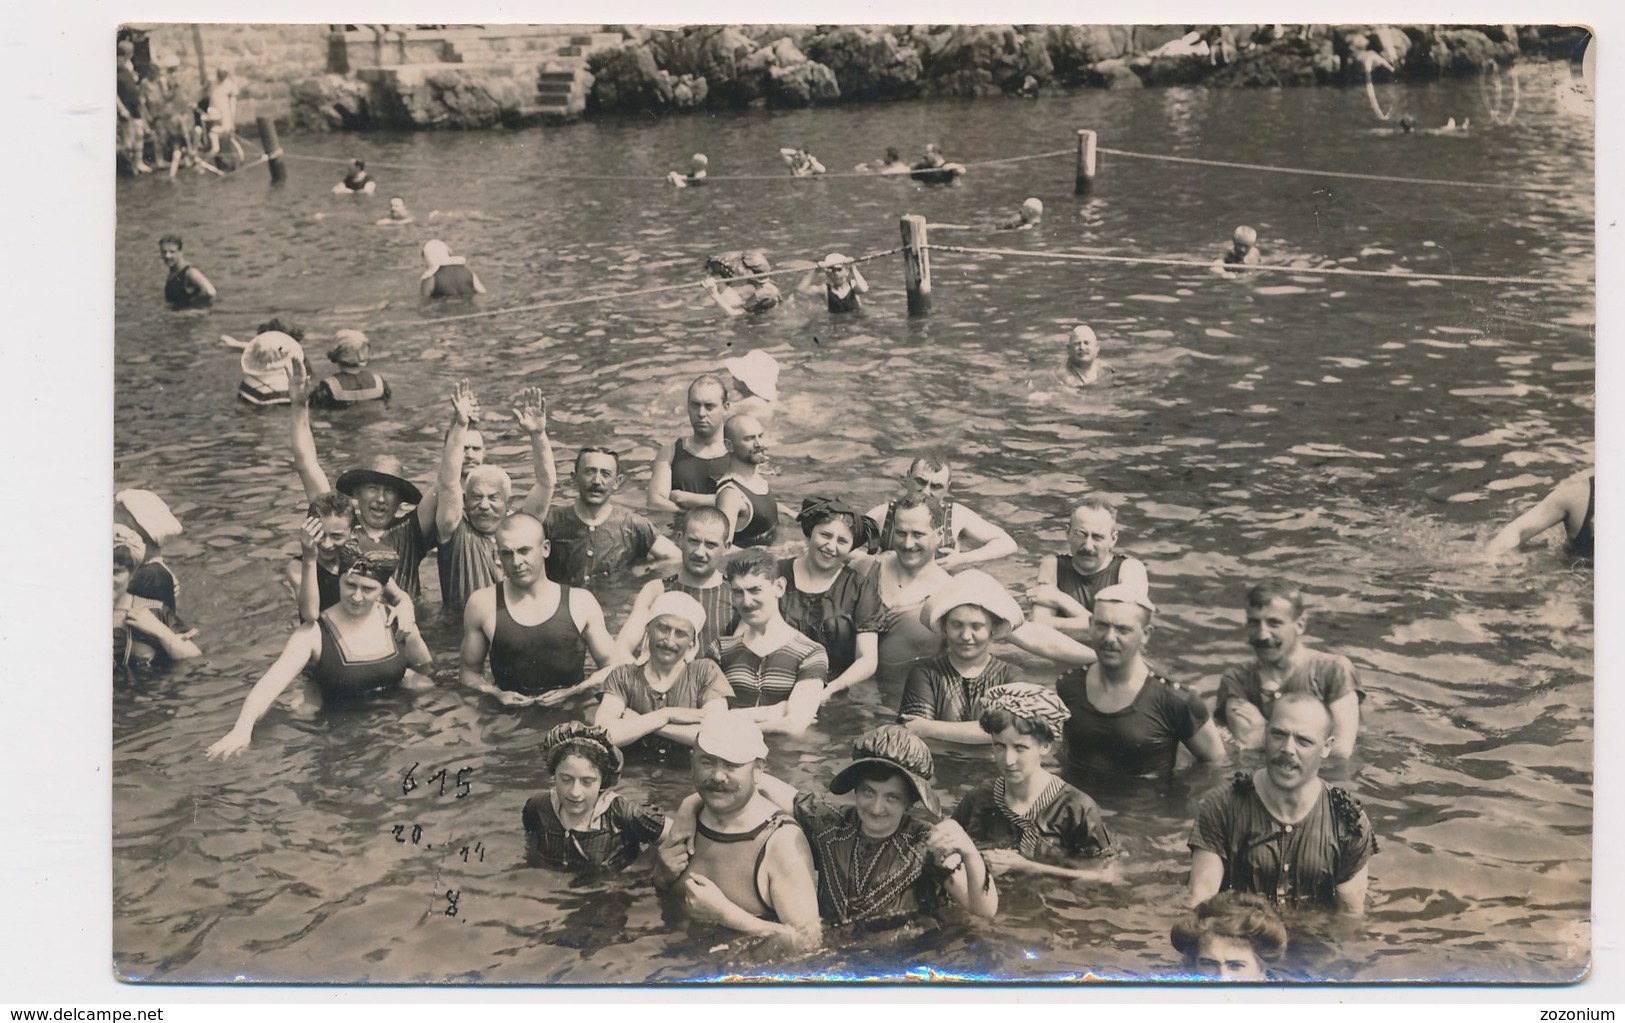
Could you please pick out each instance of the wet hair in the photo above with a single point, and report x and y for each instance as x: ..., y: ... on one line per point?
x: 359, y: 164
x: 704, y: 513
x: 709, y: 380
x: 931, y: 460
x: 171, y: 239
x: 293, y: 330
x: 490, y: 474
x: 998, y: 719
x: 926, y: 501
x: 124, y: 558
x: 873, y: 771
x: 596, y: 449
x: 1244, y: 916
x: 751, y: 561
x: 1260, y: 595
x: 333, y: 503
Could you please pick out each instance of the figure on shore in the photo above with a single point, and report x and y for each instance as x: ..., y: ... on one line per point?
x: 219, y: 117
x: 581, y: 822
x: 1232, y: 936
x: 1572, y: 503
x: 447, y: 276
x: 741, y: 296
x: 356, y: 181
x: 696, y: 173
x: 1064, y: 596
x: 685, y: 471
x: 802, y: 164
x: 1243, y: 249
x: 186, y: 287
x: 132, y: 114
x: 399, y: 215
x: 353, y: 382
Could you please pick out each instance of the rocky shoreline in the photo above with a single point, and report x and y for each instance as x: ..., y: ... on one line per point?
x: 697, y: 68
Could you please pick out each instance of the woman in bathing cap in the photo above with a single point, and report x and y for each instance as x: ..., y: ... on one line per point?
x: 580, y: 821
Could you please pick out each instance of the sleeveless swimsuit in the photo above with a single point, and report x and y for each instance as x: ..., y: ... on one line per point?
x: 695, y: 475
x: 343, y: 678
x: 764, y: 516
x: 533, y: 659
x: 180, y: 291
x: 1585, y: 540
x: 847, y: 303
x: 1082, y: 588
x: 733, y: 860
x: 950, y: 535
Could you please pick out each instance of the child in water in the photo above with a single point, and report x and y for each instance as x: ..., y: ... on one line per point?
x: 352, y: 383
x: 580, y: 821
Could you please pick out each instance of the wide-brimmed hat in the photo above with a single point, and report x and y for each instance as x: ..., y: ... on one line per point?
x: 758, y: 371
x: 152, y: 516
x: 733, y: 737
x: 269, y: 352
x: 383, y: 470
x: 124, y: 536
x: 978, y: 589
x: 896, y: 747
x: 349, y: 349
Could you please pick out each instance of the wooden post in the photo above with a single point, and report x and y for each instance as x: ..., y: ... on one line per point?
x: 202, y: 69
x: 273, y: 149
x: 916, y: 265
x: 1086, y: 162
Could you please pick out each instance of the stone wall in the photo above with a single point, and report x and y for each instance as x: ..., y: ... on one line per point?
x: 266, y: 60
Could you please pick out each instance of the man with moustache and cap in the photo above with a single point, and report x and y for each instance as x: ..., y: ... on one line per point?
x: 1276, y: 622
x: 1281, y: 832
x: 668, y: 691
x: 685, y: 471
x: 379, y: 487
x: 741, y: 862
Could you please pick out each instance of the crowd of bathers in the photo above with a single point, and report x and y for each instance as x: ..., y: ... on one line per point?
x: 763, y: 608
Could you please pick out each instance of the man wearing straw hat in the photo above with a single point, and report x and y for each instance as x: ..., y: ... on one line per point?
x: 685, y: 471
x: 379, y: 487
x: 931, y: 474
x: 1127, y: 721
x: 147, y: 514
x: 734, y: 858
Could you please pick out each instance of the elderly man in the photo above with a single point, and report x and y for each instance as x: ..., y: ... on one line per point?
x: 470, y: 508
x: 1065, y: 594
x: 594, y: 538
x: 1128, y: 721
x: 537, y: 632
x: 685, y: 471
x: 1281, y: 832
x: 379, y: 489
x: 742, y: 492
x: 668, y: 691
x: 1083, y: 364
x: 704, y: 542
x: 747, y: 867
x: 930, y: 474
x: 1276, y: 622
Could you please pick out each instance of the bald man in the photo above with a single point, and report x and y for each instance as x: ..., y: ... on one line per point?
x: 742, y: 493
x: 1281, y: 832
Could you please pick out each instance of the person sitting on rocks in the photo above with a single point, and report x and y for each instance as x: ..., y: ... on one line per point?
x: 357, y: 181
x: 802, y: 164
x: 695, y: 175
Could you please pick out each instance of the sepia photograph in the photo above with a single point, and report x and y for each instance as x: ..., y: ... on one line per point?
x: 625, y: 504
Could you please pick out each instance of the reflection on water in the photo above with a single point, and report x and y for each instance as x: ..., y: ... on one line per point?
x: 1359, y: 436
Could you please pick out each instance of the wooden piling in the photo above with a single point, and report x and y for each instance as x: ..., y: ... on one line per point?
x: 1086, y: 162
x: 273, y: 150
x: 916, y: 264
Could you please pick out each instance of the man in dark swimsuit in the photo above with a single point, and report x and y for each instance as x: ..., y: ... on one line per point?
x: 740, y: 862
x: 685, y: 471
x: 593, y: 538
x: 1572, y: 502
x: 1064, y: 596
x: 534, y: 630
x: 186, y: 287
x: 743, y: 494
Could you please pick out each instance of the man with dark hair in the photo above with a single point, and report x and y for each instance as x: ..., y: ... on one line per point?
x: 1065, y: 594
x: 777, y: 674
x: 593, y: 538
x: 703, y: 538
x: 931, y: 474
x: 1281, y: 832
x: 685, y: 470
x: 1276, y: 623
x: 186, y: 287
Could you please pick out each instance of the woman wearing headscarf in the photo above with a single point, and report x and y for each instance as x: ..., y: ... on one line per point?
x: 943, y: 694
x: 1025, y: 818
x: 353, y: 650
x: 827, y: 600
x: 668, y: 691
x: 447, y: 276
x: 580, y: 821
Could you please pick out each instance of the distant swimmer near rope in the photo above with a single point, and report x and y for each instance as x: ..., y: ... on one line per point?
x: 802, y: 164
x: 892, y: 164
x: 1243, y: 249
x: 934, y: 169
x: 695, y: 175
x: 399, y: 215
x: 741, y: 297
x: 357, y: 181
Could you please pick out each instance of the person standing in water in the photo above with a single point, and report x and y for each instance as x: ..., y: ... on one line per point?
x: 186, y: 287
x: 447, y: 276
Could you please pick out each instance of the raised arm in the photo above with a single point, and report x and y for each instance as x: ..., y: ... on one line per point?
x: 448, y: 484
x: 630, y: 638
x: 304, y: 443
x: 304, y: 646
x: 723, y: 297
x: 309, y: 593
x: 992, y: 542
x: 531, y: 415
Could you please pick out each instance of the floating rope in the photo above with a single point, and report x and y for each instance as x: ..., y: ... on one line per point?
x: 1340, y: 174
x: 660, y: 289
x: 1330, y: 271
x: 1500, y: 88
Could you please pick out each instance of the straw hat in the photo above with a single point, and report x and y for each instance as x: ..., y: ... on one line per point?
x: 270, y: 352
x: 896, y: 747
x: 978, y: 589
x: 383, y: 470
x: 758, y: 371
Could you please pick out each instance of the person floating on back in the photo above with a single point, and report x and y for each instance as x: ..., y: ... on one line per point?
x: 186, y: 287
x: 356, y: 181
x: 447, y: 276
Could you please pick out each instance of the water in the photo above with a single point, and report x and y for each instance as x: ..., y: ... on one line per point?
x: 1360, y: 436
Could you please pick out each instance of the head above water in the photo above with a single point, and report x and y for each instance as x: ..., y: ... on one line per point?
x: 930, y: 473
x: 1231, y: 936
x: 1082, y: 345
x: 1032, y: 210
x: 1244, y: 238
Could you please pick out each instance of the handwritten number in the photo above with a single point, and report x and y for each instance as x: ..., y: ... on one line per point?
x: 452, y: 896
x: 464, y: 787
x: 397, y: 830
x: 407, y: 784
x: 441, y: 774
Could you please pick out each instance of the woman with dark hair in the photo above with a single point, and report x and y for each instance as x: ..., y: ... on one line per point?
x: 580, y: 821
x: 1025, y: 818
x: 825, y: 599
x: 352, y: 650
x: 1231, y: 936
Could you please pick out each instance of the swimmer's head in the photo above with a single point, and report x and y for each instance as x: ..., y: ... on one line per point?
x: 1032, y: 211
x: 358, y: 165
x: 892, y: 155
x: 473, y: 448
x: 1082, y: 345
x: 338, y: 516
x: 597, y: 475
x: 169, y: 247
x: 699, y: 160
x: 486, y: 491
x: 1407, y: 124
x: 931, y: 474
x: 126, y: 48
x: 351, y: 350
x: 436, y: 252
x: 292, y: 330
x: 397, y: 206
x: 1244, y: 239
x: 221, y: 74
x: 756, y: 262
x: 837, y: 265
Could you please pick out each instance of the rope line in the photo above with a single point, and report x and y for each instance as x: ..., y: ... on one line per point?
x: 1331, y: 271
x: 1339, y: 174
x: 660, y: 289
